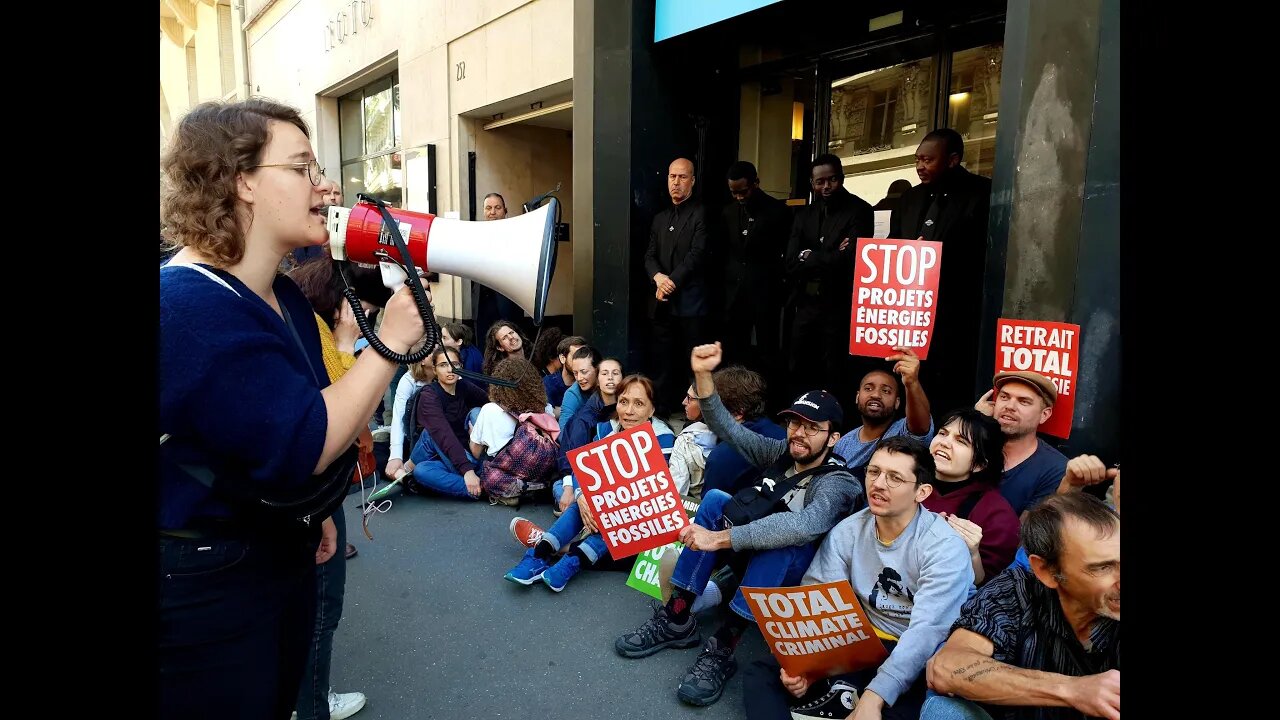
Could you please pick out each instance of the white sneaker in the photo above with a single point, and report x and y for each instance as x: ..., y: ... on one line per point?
x: 344, y: 705
x: 709, y: 598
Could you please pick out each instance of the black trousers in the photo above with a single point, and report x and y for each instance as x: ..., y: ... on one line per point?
x: 671, y: 343
x: 734, y: 334
x: 766, y: 699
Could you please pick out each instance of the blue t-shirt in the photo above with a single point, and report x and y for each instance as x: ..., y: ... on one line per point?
x: 1035, y: 478
x: 555, y: 387
x: 237, y: 394
x: 857, y: 453
x: 727, y: 470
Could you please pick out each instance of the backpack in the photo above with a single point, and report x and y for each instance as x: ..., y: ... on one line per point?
x: 412, y: 430
x: 526, y: 463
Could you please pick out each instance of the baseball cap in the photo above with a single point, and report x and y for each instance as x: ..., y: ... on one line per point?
x: 1038, y: 382
x: 816, y: 406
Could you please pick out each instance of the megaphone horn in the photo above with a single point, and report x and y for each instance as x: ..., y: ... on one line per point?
x: 515, y: 256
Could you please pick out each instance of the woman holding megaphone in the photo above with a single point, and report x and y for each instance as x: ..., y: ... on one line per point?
x: 252, y: 424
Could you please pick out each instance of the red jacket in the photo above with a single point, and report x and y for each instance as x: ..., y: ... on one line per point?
x: 993, y: 514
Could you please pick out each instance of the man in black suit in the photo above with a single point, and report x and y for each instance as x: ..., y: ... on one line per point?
x: 819, y: 263
x: 753, y: 240
x: 675, y: 262
x: 950, y: 205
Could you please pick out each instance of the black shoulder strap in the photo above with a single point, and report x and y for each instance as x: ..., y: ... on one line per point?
x: 968, y: 505
x: 784, y: 486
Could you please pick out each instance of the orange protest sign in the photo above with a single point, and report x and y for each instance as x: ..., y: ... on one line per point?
x: 895, y: 296
x: 1049, y: 348
x: 816, y: 630
x: 629, y: 489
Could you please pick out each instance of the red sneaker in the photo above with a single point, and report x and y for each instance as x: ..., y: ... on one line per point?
x: 525, y: 531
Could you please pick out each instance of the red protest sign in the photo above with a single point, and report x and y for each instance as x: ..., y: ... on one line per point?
x: 816, y: 630
x: 895, y: 296
x: 1049, y: 348
x: 628, y: 486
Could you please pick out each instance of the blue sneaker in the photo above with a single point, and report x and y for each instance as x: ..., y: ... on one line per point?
x: 557, y: 576
x: 528, y: 571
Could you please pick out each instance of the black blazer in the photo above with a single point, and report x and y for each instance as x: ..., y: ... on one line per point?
x: 827, y: 274
x: 677, y: 249
x: 753, y: 245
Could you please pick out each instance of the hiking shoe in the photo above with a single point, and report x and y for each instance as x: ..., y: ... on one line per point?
x: 656, y: 633
x: 508, y: 501
x: 344, y: 705
x: 558, y: 575
x: 528, y: 571
x: 705, y: 680
x: 837, y: 702
x: 525, y: 531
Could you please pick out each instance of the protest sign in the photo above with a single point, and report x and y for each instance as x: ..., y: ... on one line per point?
x: 1049, y: 348
x: 816, y: 630
x: 895, y: 296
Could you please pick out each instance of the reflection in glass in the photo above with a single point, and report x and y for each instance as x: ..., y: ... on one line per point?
x: 974, y: 104
x: 377, y: 117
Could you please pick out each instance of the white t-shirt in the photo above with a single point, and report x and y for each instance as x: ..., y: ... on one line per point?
x: 494, y: 428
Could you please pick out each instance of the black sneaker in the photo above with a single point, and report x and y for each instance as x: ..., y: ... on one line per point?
x: 704, y: 682
x: 656, y: 633
x: 837, y: 702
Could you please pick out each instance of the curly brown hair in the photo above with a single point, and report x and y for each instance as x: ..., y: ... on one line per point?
x: 211, y: 145
x: 527, y: 396
x: 493, y: 352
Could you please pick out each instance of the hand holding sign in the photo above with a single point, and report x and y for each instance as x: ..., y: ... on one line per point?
x: 797, y: 685
x: 906, y: 365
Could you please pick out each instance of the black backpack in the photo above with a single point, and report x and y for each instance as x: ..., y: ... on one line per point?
x: 412, y: 430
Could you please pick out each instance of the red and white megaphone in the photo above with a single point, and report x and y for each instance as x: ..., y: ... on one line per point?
x: 516, y: 256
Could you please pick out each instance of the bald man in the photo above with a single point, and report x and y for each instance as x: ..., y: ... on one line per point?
x: 675, y: 263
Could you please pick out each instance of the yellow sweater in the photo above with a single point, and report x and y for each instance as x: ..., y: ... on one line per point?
x: 336, y: 362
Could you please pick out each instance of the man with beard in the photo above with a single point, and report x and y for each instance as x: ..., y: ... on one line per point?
x: 1044, y: 643
x: 819, y: 263
x: 755, y: 236
x: 1033, y: 469
x: 805, y: 491
x: 878, y: 401
x: 911, y: 572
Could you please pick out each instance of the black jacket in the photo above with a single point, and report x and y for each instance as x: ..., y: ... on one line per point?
x: 754, y: 239
x: 827, y: 274
x: 678, y: 248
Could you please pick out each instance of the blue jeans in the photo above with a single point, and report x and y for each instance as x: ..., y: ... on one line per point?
x: 941, y: 707
x: 778, y: 567
x: 236, y: 613
x: 564, y: 530
x: 331, y: 589
x: 433, y: 469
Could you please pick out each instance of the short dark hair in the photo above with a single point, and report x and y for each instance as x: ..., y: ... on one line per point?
x: 461, y: 332
x: 985, y: 438
x: 1042, y: 528
x: 586, y: 351
x: 547, y: 347
x: 950, y: 140
x: 827, y: 159
x: 565, y: 344
x: 741, y: 390
x: 926, y: 471
x: 743, y: 170
x: 486, y: 197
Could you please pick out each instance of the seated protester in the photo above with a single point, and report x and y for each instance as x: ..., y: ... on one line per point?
x: 1044, y: 643
x: 1082, y: 471
x: 911, y: 573
x: 496, y: 422
x: 967, y: 453
x: 562, y: 379
x: 545, y: 357
x: 1023, y: 401
x: 504, y: 340
x: 773, y: 549
x: 692, y: 446
x: 584, y: 364
x: 580, y: 428
x: 457, y: 335
x: 878, y: 400
x: 440, y: 460
x: 742, y: 392
x: 635, y: 407
x: 402, y: 441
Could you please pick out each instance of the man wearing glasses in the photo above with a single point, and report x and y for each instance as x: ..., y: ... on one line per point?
x: 802, y: 493
x: 911, y: 574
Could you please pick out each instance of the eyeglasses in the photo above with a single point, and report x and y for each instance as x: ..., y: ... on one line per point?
x: 805, y: 429
x: 892, y: 479
x: 446, y: 365
x: 315, y: 173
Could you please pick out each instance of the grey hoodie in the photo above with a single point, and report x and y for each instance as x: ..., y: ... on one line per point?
x: 830, y: 496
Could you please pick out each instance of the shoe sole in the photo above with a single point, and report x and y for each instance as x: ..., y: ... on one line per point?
x: 518, y: 581
x: 356, y: 709
x: 547, y: 582
x: 703, y: 702
x: 693, y: 640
